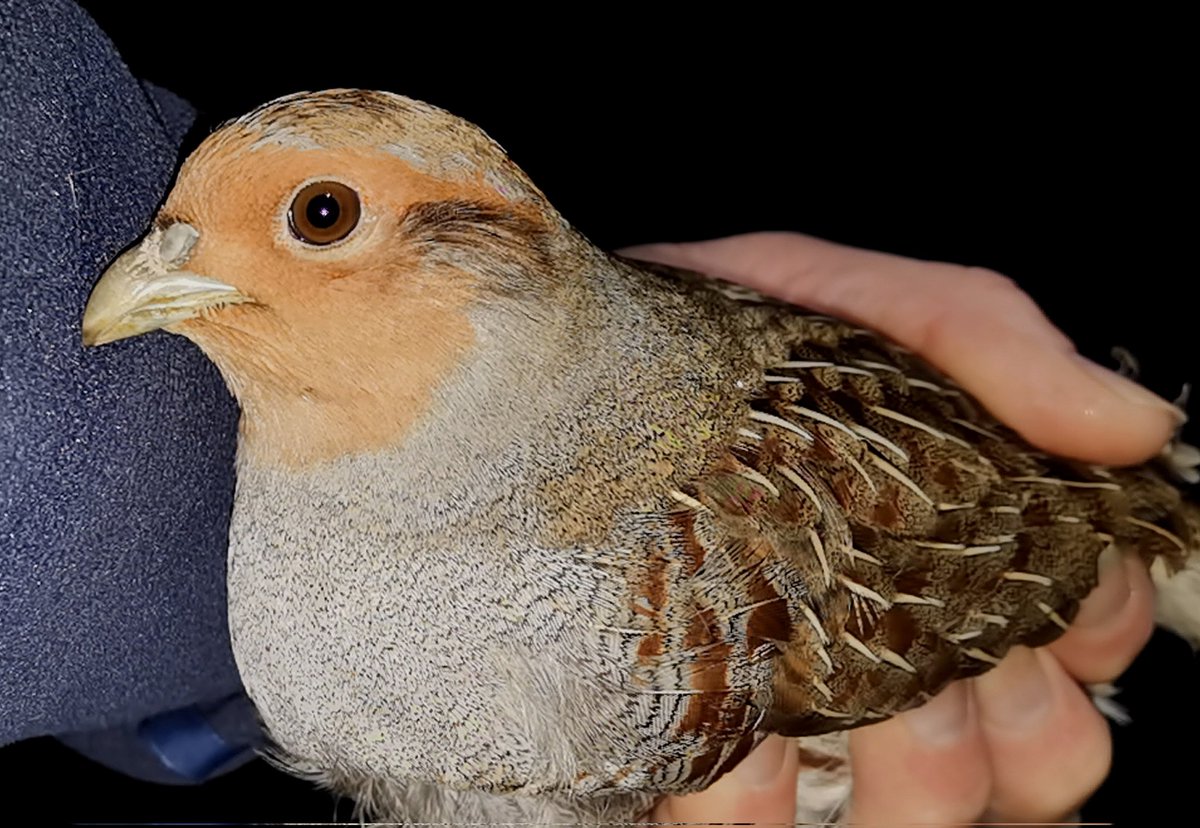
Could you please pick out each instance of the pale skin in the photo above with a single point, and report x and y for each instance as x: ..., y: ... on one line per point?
x: 1022, y: 742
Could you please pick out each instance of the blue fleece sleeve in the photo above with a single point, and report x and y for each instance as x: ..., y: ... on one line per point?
x: 117, y: 461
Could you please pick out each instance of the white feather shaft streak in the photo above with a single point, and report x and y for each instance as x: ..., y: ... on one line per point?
x: 803, y: 364
x: 878, y: 439
x: 909, y: 421
x: 814, y: 622
x: 905, y: 598
x: 981, y: 655
x: 819, y: 549
x: 800, y: 483
x: 1052, y: 614
x: 771, y: 419
x: 904, y: 480
x: 860, y: 647
x: 755, y: 476
x: 1074, y: 484
x: 896, y: 660
x: 857, y: 466
x: 863, y: 556
x: 1158, y: 530
x: 687, y: 501
x: 1029, y: 577
x: 865, y: 592
x: 876, y: 366
x: 823, y: 418
x: 970, y: 426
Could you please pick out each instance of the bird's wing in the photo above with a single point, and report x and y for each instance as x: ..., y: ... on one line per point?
x: 870, y: 535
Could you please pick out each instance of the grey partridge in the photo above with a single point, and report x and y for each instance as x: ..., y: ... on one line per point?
x: 525, y: 531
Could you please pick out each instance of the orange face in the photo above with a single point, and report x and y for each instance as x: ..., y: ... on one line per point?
x: 252, y: 214
x: 327, y: 279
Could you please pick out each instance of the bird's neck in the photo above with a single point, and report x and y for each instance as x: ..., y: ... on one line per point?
x: 306, y: 401
x: 494, y: 358
x: 296, y: 431
x: 609, y: 393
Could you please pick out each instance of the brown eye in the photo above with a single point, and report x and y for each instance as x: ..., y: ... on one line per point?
x: 324, y: 212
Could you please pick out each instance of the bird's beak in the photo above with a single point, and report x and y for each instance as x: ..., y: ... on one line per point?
x: 147, y: 288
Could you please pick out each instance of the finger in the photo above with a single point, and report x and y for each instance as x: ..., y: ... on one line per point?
x: 928, y: 766
x: 974, y: 325
x: 1049, y: 747
x: 760, y: 789
x: 1113, y: 624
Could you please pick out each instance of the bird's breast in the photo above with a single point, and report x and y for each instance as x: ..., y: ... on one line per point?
x: 376, y: 628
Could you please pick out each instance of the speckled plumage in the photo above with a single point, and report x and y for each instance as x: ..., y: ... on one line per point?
x: 634, y: 520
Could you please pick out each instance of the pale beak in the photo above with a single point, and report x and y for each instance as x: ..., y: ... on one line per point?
x: 146, y: 289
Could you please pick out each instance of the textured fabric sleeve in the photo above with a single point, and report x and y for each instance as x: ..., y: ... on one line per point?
x: 116, y: 462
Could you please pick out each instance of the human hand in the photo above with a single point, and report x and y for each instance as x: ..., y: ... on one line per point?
x: 1022, y: 742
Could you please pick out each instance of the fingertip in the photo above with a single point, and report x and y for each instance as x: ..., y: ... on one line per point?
x: 762, y: 788
x: 1016, y: 696
x: 1044, y: 768
x: 927, y: 766
x: 1099, y: 416
x: 1041, y: 388
x: 1133, y: 393
x: 1114, y: 621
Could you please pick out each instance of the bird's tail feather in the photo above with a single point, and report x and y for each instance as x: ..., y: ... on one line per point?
x: 1177, y: 576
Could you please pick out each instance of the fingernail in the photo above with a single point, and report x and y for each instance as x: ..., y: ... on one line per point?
x: 1130, y: 391
x: 942, y: 720
x: 1111, y: 594
x: 764, y: 764
x: 1016, y: 694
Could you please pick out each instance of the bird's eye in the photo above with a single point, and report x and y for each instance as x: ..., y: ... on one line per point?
x: 324, y: 212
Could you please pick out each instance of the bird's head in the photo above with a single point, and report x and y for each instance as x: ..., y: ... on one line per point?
x: 324, y: 251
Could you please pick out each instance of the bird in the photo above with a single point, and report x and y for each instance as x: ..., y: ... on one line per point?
x: 528, y: 531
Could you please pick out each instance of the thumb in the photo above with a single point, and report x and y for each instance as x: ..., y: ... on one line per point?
x: 760, y: 789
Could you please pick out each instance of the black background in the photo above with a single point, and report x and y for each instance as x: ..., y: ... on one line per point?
x: 1055, y: 154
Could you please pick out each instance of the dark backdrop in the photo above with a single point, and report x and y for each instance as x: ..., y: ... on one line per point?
x: 1058, y: 159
